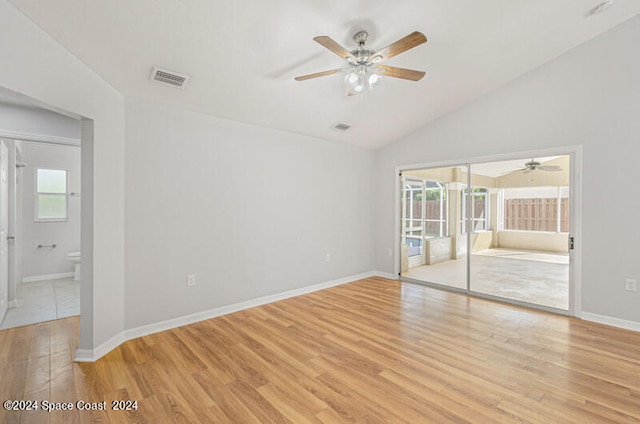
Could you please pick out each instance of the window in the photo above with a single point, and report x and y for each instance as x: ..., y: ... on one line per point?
x: 425, y: 212
x: 436, y: 209
x: 413, y: 217
x: 51, y: 195
x: 479, y: 210
x: 536, y: 209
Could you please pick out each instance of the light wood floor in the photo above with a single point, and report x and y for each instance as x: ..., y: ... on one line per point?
x: 373, y: 351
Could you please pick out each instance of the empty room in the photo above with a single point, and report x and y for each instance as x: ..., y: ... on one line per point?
x: 306, y: 212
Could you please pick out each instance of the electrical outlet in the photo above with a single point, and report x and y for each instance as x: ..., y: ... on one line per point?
x: 631, y: 284
x: 191, y: 280
x: 389, y: 252
x: 328, y: 258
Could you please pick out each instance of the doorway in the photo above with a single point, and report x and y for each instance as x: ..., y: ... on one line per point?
x: 496, y: 228
x: 44, y: 174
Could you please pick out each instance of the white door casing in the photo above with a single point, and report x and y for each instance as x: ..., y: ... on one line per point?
x: 4, y: 229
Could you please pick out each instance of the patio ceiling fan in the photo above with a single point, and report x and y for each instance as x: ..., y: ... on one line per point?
x: 535, y: 165
x: 364, y: 67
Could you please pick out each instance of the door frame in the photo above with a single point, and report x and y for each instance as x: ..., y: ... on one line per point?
x: 4, y: 229
x: 15, y: 258
x: 575, y: 225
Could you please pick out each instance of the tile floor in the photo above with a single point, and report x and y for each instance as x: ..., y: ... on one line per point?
x: 531, y: 277
x: 41, y: 301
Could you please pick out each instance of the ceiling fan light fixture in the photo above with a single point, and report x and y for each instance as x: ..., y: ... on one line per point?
x: 363, y: 68
x: 360, y: 78
x: 373, y: 80
x: 351, y: 79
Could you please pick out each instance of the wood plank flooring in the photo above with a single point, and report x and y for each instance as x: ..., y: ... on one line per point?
x: 372, y: 351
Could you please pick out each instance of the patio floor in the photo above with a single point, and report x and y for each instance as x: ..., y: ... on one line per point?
x: 535, y: 277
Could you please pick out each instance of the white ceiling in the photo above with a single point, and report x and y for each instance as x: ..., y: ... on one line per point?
x: 242, y: 55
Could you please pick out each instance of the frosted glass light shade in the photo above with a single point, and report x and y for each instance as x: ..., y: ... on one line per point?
x: 361, y: 77
x: 351, y: 79
x: 374, y: 80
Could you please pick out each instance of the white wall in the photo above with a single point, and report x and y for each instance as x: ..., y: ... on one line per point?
x: 40, y: 68
x: 533, y: 240
x: 31, y: 121
x: 65, y: 235
x: 250, y: 211
x: 590, y: 97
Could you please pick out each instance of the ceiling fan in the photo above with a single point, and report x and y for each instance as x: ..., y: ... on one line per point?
x: 364, y: 66
x: 535, y: 165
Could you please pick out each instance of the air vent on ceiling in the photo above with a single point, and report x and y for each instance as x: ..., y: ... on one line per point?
x: 169, y: 77
x: 342, y: 126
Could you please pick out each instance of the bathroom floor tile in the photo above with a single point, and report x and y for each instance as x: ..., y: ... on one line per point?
x: 34, y: 289
x: 41, y: 301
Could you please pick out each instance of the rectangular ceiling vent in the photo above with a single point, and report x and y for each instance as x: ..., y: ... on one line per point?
x: 342, y: 126
x: 169, y: 77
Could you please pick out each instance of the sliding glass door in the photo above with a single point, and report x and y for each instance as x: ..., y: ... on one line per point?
x: 433, y: 246
x: 520, y: 248
x: 498, y: 230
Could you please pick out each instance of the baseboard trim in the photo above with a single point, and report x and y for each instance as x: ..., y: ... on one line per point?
x: 614, y: 322
x: 84, y: 355
x: 387, y: 275
x: 57, y: 276
x: 92, y: 355
x: 224, y: 310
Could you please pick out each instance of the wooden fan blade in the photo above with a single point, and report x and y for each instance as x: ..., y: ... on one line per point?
x: 392, y: 71
x: 317, y: 75
x: 328, y: 43
x: 402, y: 45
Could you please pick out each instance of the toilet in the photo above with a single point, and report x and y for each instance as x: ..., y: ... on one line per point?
x: 75, y: 258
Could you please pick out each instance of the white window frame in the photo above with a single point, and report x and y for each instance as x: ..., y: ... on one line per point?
x: 463, y: 209
x: 444, y: 207
x: 410, y: 221
x: 443, y: 189
x: 36, y: 216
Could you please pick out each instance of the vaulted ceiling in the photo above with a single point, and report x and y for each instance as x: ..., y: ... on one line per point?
x: 242, y: 55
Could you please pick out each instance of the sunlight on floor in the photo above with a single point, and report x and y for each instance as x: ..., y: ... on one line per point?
x: 534, y: 277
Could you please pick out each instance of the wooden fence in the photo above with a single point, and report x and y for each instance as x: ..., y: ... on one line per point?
x: 536, y: 215
x: 519, y: 214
